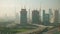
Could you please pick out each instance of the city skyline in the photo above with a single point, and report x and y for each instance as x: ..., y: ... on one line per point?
x: 10, y: 6
x: 29, y: 16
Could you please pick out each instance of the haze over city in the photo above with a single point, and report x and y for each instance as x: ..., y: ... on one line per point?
x: 10, y: 6
x: 29, y: 16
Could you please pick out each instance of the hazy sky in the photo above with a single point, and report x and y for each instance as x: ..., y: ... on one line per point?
x: 10, y: 6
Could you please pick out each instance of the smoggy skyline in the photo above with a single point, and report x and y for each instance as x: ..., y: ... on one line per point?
x: 10, y: 6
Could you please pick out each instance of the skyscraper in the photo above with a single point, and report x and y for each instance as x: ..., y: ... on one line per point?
x: 46, y: 20
x: 17, y: 18
x: 35, y: 17
x: 23, y: 19
x: 56, y: 14
x: 43, y: 17
x: 50, y: 13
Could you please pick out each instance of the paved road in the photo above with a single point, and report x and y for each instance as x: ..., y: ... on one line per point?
x: 53, y: 31
x: 34, y: 31
x: 39, y: 29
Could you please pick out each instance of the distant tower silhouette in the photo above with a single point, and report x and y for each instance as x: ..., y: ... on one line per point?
x: 56, y: 19
x: 50, y: 13
x: 46, y: 18
x: 29, y: 17
x: 59, y: 16
x: 17, y: 18
x: 23, y: 19
x: 43, y: 17
x: 17, y: 15
x: 35, y: 17
x: 47, y: 22
x: 40, y: 14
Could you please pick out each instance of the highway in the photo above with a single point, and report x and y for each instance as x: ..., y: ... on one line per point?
x: 35, y: 31
x: 52, y: 31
